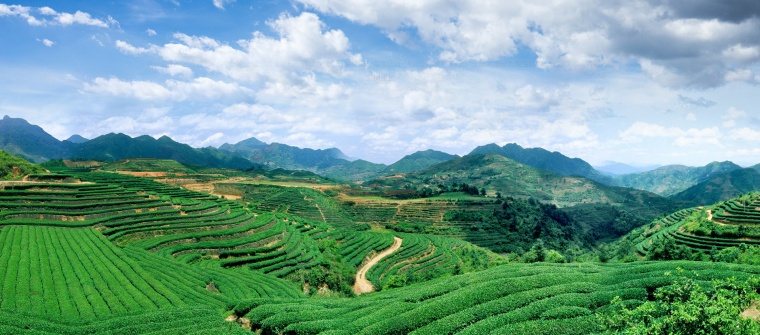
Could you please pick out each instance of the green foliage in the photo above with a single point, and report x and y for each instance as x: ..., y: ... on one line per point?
x: 14, y: 167
x: 686, y: 307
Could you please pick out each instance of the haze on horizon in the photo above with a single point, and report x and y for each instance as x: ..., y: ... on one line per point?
x: 641, y: 83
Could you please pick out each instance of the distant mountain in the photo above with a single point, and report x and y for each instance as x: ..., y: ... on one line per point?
x: 358, y: 170
x: 278, y: 155
x: 19, y: 137
x: 546, y: 160
x: 721, y: 187
x: 76, y: 139
x: 15, y: 168
x: 112, y: 147
x: 616, y: 168
x: 31, y: 142
x: 418, y: 161
x: 245, y: 148
x: 671, y: 179
x: 332, y: 162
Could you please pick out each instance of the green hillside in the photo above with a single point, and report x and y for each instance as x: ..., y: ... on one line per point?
x: 672, y: 179
x: 720, y: 187
x: 543, y: 159
x: 31, y: 142
x: 418, y: 161
x: 15, y: 168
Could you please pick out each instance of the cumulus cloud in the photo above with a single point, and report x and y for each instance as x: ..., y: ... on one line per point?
x: 173, y: 90
x: 745, y: 134
x: 303, y: 45
x: 150, y: 32
x: 681, y: 137
x: 175, y: 70
x: 678, y: 43
x: 51, y: 16
x: 640, y: 129
x: 133, y: 50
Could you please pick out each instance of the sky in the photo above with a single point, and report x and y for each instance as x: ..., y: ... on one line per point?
x: 638, y: 82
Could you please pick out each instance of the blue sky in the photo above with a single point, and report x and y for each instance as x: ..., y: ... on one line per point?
x: 650, y: 82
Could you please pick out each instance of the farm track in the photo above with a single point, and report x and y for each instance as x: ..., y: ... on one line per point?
x: 362, y: 285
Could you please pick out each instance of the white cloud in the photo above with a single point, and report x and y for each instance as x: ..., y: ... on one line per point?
x: 58, y: 18
x: 150, y: 32
x: 46, y: 42
x: 142, y: 90
x: 220, y: 3
x: 672, y: 44
x: 197, y: 89
x: 133, y: 50
x: 304, y: 46
x: 695, y: 136
x: 175, y: 70
x: 640, y: 129
x: 733, y: 113
x: 215, y: 139
x: 745, y: 134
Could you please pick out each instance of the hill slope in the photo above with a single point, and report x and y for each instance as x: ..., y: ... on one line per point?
x: 671, y: 179
x: 418, y: 161
x: 720, y: 187
x: 31, y: 142
x: 15, y: 168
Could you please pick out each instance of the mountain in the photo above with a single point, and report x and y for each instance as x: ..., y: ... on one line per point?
x: 721, y: 187
x: 31, y: 142
x: 112, y: 147
x: 245, y: 147
x: 15, y: 168
x: 546, y: 160
x: 605, y: 210
x: 616, y: 168
x: 278, y: 155
x: 418, y: 161
x: 76, y: 139
x: 19, y: 137
x: 671, y: 179
x: 358, y: 170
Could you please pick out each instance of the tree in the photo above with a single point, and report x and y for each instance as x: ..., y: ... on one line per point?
x: 687, y: 308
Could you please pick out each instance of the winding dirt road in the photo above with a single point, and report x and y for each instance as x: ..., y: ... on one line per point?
x: 362, y: 285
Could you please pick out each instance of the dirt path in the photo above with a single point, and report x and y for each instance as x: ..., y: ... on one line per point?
x: 710, y: 218
x: 362, y: 285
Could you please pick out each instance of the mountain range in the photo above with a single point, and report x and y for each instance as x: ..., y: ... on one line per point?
x: 688, y: 185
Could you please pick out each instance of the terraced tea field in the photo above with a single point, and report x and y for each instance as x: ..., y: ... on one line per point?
x: 731, y: 223
x: 508, y: 299
x: 114, y: 247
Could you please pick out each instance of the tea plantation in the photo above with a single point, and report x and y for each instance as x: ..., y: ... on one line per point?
x: 99, y: 252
